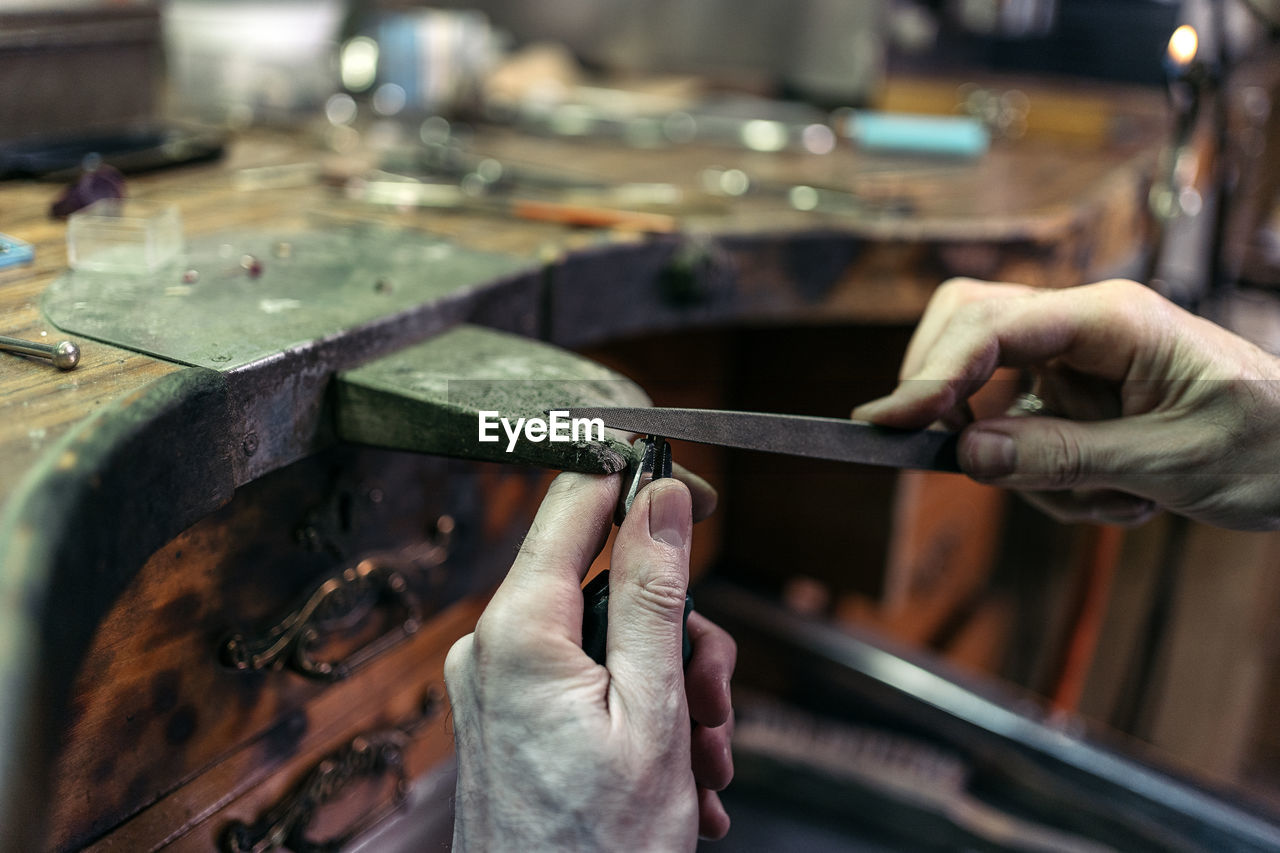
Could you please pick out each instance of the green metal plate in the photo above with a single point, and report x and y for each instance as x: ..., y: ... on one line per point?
x: 309, y: 286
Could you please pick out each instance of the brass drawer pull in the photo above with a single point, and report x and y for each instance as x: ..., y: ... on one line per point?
x: 345, y: 597
x: 369, y: 756
x: 342, y: 601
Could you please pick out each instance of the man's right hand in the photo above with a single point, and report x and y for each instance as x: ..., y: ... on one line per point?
x: 1151, y: 406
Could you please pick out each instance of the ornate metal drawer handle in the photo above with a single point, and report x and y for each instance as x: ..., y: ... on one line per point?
x: 341, y: 600
x: 346, y: 597
x: 368, y: 756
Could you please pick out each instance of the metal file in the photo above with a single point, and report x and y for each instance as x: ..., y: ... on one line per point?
x: 794, y: 435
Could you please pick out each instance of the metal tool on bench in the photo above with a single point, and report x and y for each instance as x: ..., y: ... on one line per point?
x: 63, y: 355
x: 836, y: 439
x: 653, y: 464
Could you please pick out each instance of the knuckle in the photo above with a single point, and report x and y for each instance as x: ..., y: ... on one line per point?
x: 459, y: 664
x: 489, y: 630
x: 565, y: 481
x: 522, y: 644
x: 1126, y: 289
x: 956, y: 291
x: 662, y: 591
x: 978, y: 312
x: 571, y: 489
x: 1064, y: 460
x: 1123, y: 295
x: 498, y: 638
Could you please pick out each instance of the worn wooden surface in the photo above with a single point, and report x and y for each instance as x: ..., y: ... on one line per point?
x: 156, y: 706
x: 1032, y: 210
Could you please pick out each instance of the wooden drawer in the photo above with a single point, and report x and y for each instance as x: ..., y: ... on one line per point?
x: 397, y: 702
x: 355, y: 555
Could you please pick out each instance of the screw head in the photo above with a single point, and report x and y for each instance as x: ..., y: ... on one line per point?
x: 251, y: 265
x: 66, y: 355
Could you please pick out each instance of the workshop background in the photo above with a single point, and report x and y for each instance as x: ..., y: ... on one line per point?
x: 236, y: 540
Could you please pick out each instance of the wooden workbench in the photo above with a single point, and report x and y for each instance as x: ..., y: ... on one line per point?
x: 101, y: 467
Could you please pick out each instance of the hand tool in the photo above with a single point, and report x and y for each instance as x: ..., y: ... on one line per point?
x: 585, y: 211
x: 65, y: 355
x: 836, y: 439
x: 735, y: 183
x: 654, y: 463
x: 796, y: 435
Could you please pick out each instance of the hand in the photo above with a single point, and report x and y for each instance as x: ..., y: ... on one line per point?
x: 558, y: 753
x: 1152, y: 406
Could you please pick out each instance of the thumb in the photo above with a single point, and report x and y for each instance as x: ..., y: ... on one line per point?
x: 1042, y: 453
x: 648, y: 579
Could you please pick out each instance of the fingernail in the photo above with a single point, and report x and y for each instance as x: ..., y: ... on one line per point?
x: 988, y: 454
x: 670, y: 513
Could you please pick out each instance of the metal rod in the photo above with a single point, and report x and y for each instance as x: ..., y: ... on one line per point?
x: 65, y: 355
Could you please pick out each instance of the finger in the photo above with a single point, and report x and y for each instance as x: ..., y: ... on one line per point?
x: 916, y: 403
x: 712, y: 756
x: 950, y: 296
x: 1102, y: 506
x: 713, y: 820
x: 649, y: 576
x: 542, y: 592
x: 1109, y: 330
x: 1134, y: 455
x: 706, y: 677
x: 1070, y: 394
x: 1096, y: 329
x: 957, y: 418
x: 705, y: 496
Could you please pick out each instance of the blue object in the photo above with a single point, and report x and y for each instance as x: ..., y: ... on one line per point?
x: 951, y: 136
x: 14, y: 251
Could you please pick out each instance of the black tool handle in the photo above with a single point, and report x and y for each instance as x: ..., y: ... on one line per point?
x: 595, y: 620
